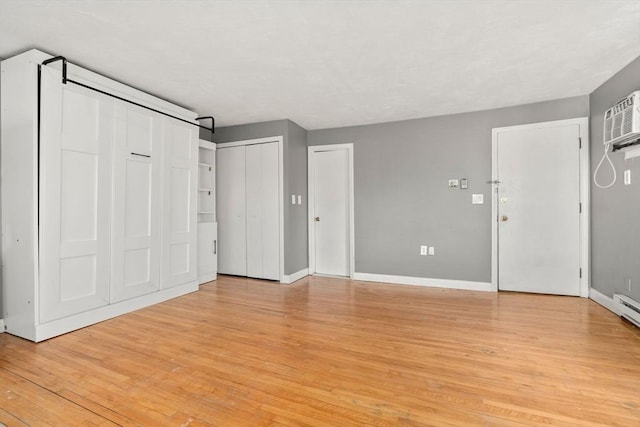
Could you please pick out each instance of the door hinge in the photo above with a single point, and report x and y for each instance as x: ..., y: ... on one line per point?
x: 579, y: 142
x: 580, y: 207
x: 580, y: 274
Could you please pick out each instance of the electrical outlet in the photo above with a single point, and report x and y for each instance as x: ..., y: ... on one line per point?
x: 293, y: 199
x: 432, y: 250
x: 299, y: 199
x: 423, y: 250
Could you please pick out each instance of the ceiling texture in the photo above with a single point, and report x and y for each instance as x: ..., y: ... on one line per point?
x: 336, y: 63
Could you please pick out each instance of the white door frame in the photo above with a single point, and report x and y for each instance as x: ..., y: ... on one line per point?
x: 583, y: 126
x: 279, y: 140
x: 311, y: 197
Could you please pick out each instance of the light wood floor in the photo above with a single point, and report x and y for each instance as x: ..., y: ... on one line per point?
x: 332, y: 352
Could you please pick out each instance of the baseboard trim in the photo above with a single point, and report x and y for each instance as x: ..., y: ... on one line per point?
x: 1, y: 326
x: 603, y: 300
x: 295, y: 276
x: 206, y: 278
x: 424, y: 281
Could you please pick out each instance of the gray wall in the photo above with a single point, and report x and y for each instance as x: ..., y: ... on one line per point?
x: 402, y: 198
x: 296, y: 233
x: 615, y: 212
x: 295, y: 182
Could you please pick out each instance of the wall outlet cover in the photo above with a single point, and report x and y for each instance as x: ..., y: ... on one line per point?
x: 453, y: 183
x: 477, y: 199
x: 423, y: 250
x: 432, y: 250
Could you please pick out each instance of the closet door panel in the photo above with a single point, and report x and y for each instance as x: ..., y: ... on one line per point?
x: 75, y: 198
x: 179, y: 248
x: 270, y: 203
x: 136, y: 203
x: 231, y: 210
x: 254, y: 209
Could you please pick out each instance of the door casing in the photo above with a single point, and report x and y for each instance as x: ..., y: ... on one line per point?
x: 311, y: 192
x: 583, y: 124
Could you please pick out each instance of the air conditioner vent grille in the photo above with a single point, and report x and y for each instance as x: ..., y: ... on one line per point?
x: 622, y: 121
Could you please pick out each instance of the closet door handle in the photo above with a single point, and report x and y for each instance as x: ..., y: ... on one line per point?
x: 141, y: 155
x: 215, y: 247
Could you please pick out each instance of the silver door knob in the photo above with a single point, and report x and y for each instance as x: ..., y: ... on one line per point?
x: 317, y: 219
x: 504, y: 218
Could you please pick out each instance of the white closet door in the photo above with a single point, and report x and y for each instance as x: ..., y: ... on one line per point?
x: 75, y: 197
x: 179, y: 247
x: 135, y: 233
x: 231, y: 211
x: 263, y: 254
x: 254, y: 210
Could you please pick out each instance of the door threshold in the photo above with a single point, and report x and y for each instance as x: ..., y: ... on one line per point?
x: 330, y: 275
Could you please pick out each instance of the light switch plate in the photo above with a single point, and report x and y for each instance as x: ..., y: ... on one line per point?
x: 477, y: 199
x: 464, y: 183
x: 293, y: 199
x: 299, y: 199
x: 423, y: 250
x: 432, y: 250
x: 627, y: 177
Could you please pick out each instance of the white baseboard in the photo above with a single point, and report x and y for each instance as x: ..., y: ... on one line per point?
x: 295, y: 276
x: 206, y: 278
x: 424, y: 281
x: 603, y: 300
x: 1, y: 326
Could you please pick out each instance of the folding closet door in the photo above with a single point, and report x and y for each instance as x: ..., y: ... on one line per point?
x: 75, y: 198
x: 263, y: 214
x: 231, y: 210
x: 179, y: 235
x: 135, y: 231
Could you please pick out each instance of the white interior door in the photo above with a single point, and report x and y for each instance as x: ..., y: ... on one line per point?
x: 179, y: 235
x: 135, y: 232
x: 538, y: 209
x: 263, y: 211
x: 330, y: 215
x: 75, y: 198
x: 231, y: 210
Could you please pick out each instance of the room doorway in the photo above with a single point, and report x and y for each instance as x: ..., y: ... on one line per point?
x: 540, y: 208
x: 331, y: 234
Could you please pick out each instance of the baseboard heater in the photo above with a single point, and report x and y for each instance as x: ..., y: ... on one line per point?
x: 627, y: 308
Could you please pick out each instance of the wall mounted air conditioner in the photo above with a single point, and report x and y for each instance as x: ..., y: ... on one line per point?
x: 622, y: 123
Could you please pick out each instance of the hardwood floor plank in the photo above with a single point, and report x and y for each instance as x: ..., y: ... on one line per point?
x: 334, y: 352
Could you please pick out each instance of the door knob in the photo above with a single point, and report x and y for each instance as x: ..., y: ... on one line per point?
x: 504, y: 218
x: 317, y: 219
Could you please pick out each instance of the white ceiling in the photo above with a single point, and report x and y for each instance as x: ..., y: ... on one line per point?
x: 336, y: 63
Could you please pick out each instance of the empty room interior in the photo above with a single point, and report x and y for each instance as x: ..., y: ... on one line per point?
x: 320, y: 213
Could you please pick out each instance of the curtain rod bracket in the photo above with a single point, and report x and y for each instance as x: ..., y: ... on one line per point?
x: 64, y: 66
x: 213, y: 122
